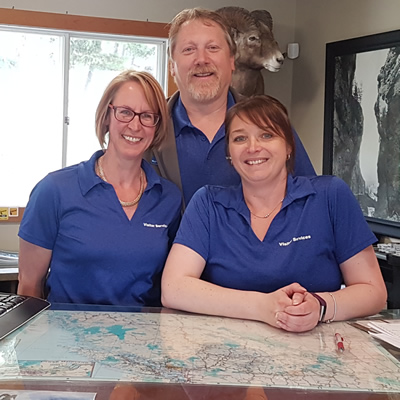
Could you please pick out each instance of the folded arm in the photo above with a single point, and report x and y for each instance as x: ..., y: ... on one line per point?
x: 183, y: 289
x: 33, y: 265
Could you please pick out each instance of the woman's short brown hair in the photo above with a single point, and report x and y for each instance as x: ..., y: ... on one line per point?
x: 264, y: 111
x: 154, y: 96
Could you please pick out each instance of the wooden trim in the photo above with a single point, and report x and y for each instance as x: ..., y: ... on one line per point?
x: 80, y: 23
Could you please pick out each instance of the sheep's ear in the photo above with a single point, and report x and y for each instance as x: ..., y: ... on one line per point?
x: 234, y: 33
x: 263, y: 16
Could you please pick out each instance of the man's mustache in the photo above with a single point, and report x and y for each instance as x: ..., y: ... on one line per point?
x: 203, y: 70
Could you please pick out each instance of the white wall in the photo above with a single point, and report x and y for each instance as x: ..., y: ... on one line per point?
x: 152, y: 10
x: 8, y: 236
x: 319, y: 22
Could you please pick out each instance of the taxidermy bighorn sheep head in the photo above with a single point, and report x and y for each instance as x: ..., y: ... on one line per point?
x: 256, y: 48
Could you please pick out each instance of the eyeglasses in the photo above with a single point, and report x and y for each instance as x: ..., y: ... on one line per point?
x: 123, y: 114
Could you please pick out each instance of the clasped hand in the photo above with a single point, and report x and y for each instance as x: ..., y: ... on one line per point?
x: 294, y: 309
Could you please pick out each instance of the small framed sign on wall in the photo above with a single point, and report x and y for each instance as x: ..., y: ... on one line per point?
x: 11, y: 214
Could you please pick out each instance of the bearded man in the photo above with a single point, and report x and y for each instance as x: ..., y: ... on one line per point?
x: 201, y: 56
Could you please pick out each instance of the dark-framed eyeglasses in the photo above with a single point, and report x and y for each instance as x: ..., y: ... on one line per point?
x: 123, y: 114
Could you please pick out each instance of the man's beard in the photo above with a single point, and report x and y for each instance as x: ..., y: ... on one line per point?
x: 203, y: 91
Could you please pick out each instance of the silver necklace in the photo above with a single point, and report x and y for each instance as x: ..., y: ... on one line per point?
x: 267, y: 215
x: 123, y: 203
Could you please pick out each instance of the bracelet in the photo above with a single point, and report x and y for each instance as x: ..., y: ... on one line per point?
x: 322, y: 306
x: 328, y: 321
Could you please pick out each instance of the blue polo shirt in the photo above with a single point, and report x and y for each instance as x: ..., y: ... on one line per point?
x: 99, y: 256
x: 203, y: 163
x: 319, y: 226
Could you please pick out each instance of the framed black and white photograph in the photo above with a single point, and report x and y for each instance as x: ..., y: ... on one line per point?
x: 362, y: 124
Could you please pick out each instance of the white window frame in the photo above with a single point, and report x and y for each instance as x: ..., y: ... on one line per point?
x: 65, y: 36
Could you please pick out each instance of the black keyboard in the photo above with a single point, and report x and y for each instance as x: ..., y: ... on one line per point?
x: 16, y: 310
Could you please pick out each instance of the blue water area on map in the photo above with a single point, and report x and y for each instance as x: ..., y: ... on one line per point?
x: 26, y: 364
x: 94, y: 330
x: 111, y: 359
x: 214, y: 372
x: 323, y: 359
x: 389, y: 382
x: 177, y: 363
x: 232, y: 345
x: 119, y: 331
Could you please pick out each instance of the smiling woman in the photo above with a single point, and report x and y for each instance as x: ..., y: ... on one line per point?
x: 261, y: 144
x: 99, y: 232
x: 261, y: 249
x: 65, y: 135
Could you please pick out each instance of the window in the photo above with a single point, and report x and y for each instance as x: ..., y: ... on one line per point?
x: 51, y: 82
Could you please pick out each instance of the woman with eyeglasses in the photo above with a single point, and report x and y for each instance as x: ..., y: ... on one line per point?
x: 99, y: 232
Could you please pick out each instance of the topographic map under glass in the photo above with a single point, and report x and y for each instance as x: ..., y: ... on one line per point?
x: 177, y: 348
